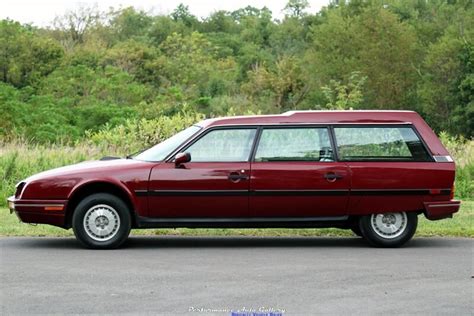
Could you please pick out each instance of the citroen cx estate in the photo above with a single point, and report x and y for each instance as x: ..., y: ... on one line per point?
x: 373, y: 172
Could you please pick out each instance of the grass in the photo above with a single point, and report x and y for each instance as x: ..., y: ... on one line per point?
x: 462, y: 225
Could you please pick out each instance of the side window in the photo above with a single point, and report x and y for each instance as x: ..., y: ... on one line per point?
x: 223, y: 145
x: 294, y: 144
x: 366, y: 143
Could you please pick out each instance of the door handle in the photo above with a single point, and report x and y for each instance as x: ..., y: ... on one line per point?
x: 237, y: 176
x: 332, y: 176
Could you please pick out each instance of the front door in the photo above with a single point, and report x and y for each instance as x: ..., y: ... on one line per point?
x: 215, y: 183
x: 294, y: 174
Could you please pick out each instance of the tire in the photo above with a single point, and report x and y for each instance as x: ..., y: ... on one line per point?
x: 101, y: 221
x: 388, y: 230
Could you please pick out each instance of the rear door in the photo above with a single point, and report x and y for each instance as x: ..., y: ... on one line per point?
x: 294, y: 174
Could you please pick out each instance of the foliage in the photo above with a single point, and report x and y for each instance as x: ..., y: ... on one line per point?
x: 138, y: 134
x: 462, y: 151
x: 25, y: 57
x: 345, y: 96
x: 94, y: 69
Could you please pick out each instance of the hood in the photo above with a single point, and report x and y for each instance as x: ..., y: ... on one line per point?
x: 88, y: 167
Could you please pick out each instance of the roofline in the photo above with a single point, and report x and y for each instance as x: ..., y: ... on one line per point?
x: 345, y: 111
x: 281, y: 118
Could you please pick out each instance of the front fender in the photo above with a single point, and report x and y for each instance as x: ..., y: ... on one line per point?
x: 105, y: 184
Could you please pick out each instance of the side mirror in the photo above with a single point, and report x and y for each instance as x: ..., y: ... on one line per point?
x: 181, y: 158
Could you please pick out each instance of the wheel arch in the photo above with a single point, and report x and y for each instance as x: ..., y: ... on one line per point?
x: 85, y: 189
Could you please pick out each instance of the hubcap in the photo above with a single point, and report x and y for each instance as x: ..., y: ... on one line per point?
x: 389, y: 225
x: 101, y: 222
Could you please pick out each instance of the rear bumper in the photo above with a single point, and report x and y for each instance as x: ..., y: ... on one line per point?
x: 39, y: 211
x: 440, y: 210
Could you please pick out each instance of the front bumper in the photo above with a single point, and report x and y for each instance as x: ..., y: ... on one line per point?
x: 11, y: 204
x: 39, y: 211
x: 440, y: 210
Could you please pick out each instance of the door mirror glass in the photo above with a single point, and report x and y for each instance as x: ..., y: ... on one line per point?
x: 182, y: 158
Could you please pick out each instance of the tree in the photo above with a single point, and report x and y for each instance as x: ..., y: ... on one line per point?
x: 284, y: 82
x: 135, y: 58
x: 376, y: 44
x: 128, y: 23
x: 295, y: 8
x: 25, y: 56
x: 183, y: 15
x: 97, y: 68
x: 342, y: 96
x: 464, y: 111
x: 75, y: 24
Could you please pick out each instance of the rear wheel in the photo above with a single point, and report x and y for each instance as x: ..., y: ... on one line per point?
x: 388, y: 229
x: 101, y: 221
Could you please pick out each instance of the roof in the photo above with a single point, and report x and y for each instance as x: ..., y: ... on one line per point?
x: 318, y: 117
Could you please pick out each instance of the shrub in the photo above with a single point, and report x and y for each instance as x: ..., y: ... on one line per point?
x: 462, y: 151
x: 137, y: 134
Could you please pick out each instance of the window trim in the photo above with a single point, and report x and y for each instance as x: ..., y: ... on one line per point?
x: 332, y: 136
x: 206, y: 131
x: 294, y: 126
x: 378, y: 125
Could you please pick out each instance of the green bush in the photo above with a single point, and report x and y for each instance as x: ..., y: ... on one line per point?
x: 138, y: 134
x: 462, y: 151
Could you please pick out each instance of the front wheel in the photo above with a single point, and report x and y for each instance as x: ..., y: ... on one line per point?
x: 101, y: 221
x: 388, y: 229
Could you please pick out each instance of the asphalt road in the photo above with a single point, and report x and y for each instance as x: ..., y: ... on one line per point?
x: 213, y: 275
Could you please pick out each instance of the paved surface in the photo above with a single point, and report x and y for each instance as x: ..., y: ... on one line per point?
x: 173, y: 275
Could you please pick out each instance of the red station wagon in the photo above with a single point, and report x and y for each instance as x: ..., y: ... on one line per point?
x: 372, y: 172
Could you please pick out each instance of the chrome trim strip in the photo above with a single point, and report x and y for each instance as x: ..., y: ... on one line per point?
x: 39, y: 205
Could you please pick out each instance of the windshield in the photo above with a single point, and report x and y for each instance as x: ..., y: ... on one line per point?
x: 163, y: 149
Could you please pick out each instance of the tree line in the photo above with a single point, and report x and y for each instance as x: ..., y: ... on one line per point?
x: 91, y: 69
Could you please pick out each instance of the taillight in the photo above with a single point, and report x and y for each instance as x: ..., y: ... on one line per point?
x: 451, y: 196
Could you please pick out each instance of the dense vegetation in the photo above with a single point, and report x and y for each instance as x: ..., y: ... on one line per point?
x: 92, y: 68
x: 98, y: 83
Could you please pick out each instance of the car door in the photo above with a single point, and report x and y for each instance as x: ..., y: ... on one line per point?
x: 215, y: 183
x: 294, y: 174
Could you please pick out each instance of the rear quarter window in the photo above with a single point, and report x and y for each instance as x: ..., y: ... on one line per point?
x: 379, y: 143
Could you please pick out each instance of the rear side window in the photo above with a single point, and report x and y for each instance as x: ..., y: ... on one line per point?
x: 294, y: 144
x: 373, y: 143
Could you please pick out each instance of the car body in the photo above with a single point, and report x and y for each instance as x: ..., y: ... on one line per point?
x: 369, y: 171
